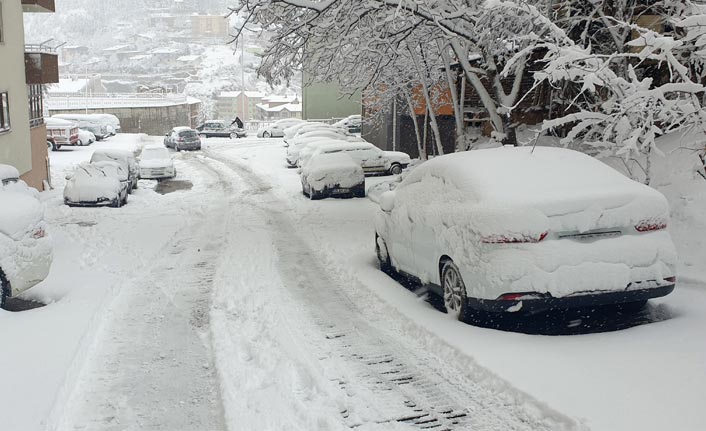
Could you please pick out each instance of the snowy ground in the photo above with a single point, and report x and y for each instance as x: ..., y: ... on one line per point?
x: 240, y: 304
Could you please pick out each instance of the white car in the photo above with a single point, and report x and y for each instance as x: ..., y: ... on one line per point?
x: 523, y: 230
x: 96, y: 185
x: 291, y: 131
x: 156, y: 163
x: 351, y: 124
x: 25, y: 246
x: 301, y: 140
x: 126, y: 159
x: 372, y: 159
x: 276, y: 129
x: 335, y: 174
x: 85, y: 137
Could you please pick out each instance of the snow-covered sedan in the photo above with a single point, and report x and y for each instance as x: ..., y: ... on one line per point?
x: 328, y: 175
x: 297, y: 143
x: 372, y: 159
x: 156, y: 163
x: 85, y: 137
x: 351, y: 124
x: 126, y: 159
x: 96, y: 185
x: 516, y: 229
x: 25, y: 247
x: 182, y: 138
x: 276, y: 129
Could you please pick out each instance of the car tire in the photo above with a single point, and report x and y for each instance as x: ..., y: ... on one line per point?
x: 4, y: 290
x: 359, y: 192
x: 202, y: 136
x: 455, y: 295
x: 383, y: 258
x: 395, y: 169
x: 266, y: 135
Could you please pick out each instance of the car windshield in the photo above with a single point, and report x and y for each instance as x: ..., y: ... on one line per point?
x: 188, y: 134
x: 154, y: 153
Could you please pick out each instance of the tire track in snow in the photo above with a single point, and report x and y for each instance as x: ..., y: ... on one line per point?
x: 152, y: 366
x: 385, y: 379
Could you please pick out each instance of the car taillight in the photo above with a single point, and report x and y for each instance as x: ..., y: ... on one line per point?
x: 39, y: 233
x: 513, y: 239
x: 671, y: 279
x: 521, y: 295
x: 650, y: 225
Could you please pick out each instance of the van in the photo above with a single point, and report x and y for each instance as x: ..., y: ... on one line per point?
x: 61, y: 132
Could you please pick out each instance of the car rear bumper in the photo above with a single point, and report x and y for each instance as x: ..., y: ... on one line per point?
x: 28, y: 264
x: 587, y: 299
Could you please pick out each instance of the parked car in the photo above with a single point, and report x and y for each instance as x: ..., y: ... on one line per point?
x: 156, y: 163
x: 336, y: 174
x: 25, y: 246
x: 182, y: 138
x: 276, y: 129
x: 372, y: 159
x: 107, y: 124
x: 297, y: 143
x: 126, y: 159
x: 220, y: 129
x: 351, y: 124
x: 61, y: 133
x: 85, y: 137
x: 564, y: 230
x: 291, y: 131
x: 96, y: 185
x: 10, y: 182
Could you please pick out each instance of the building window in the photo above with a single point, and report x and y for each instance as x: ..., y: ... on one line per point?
x: 36, y: 105
x: 4, y: 112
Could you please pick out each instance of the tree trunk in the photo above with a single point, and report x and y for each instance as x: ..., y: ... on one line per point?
x: 427, y: 99
x: 408, y: 98
x: 458, y: 107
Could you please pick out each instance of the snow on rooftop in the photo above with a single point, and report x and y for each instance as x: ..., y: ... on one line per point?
x: 188, y: 58
x: 117, y: 48
x: 234, y: 94
x: 291, y: 107
x: 68, y: 85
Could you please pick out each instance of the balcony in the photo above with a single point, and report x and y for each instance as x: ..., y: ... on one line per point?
x: 41, y: 65
x: 38, y: 6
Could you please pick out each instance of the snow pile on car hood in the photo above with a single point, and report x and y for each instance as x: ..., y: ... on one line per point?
x: 89, y: 184
x: 332, y: 170
x: 7, y: 171
x: 20, y: 213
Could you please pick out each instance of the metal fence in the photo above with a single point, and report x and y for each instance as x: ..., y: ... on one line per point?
x: 122, y: 100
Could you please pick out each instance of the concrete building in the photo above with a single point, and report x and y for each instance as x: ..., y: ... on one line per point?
x: 229, y: 104
x: 323, y: 101
x: 25, y: 69
x: 209, y: 26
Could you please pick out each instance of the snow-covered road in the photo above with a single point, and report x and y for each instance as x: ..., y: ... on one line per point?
x: 239, y: 304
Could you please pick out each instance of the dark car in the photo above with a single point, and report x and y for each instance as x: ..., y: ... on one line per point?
x: 220, y: 129
x: 183, y: 138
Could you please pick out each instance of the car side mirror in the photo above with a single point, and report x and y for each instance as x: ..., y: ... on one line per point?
x: 387, y: 201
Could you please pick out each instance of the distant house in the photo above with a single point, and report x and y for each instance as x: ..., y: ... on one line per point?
x: 229, y: 104
x: 73, y: 53
x: 277, y: 107
x: 209, y: 26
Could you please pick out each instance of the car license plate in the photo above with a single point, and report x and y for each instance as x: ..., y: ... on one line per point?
x: 341, y: 190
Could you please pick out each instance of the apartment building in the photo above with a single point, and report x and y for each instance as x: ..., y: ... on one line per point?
x: 24, y: 69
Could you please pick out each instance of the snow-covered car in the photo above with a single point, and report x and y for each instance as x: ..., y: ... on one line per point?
x: 183, y: 138
x: 126, y: 159
x: 94, y: 123
x: 61, y: 133
x: 334, y: 174
x: 291, y: 131
x: 97, y: 184
x: 85, y: 137
x: 351, y: 124
x: 276, y: 129
x: 10, y: 182
x: 517, y: 229
x: 25, y: 246
x: 156, y: 163
x: 220, y: 129
x: 372, y: 159
x: 301, y: 140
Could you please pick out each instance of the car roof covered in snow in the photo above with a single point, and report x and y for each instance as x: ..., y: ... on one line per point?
x: 336, y: 146
x: 332, y: 159
x: 112, y: 154
x: 7, y: 172
x: 58, y: 122
x: 515, y: 175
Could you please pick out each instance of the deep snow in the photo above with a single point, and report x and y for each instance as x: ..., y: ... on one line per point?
x: 294, y: 286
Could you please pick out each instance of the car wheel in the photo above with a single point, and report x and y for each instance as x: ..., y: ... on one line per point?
x: 383, y: 255
x: 455, y: 295
x: 396, y: 169
x: 359, y: 192
x: 4, y: 290
x: 125, y: 200
x: 202, y: 136
x: 266, y: 135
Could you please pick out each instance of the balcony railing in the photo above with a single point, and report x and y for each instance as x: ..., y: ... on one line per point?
x: 41, y: 64
x: 38, y: 6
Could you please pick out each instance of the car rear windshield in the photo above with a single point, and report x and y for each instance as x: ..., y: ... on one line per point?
x: 155, y: 153
x: 188, y: 134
